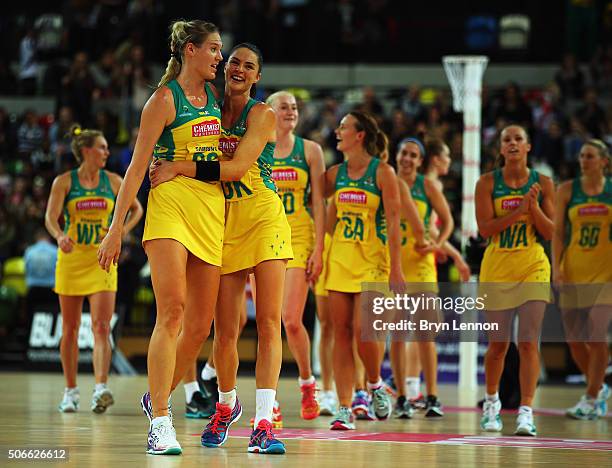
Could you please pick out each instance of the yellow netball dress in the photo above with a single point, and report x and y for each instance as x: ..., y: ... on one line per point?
x: 358, y: 252
x: 256, y: 227
x: 87, y: 216
x: 320, y: 287
x: 418, y: 268
x: 292, y: 178
x: 185, y: 209
x: 586, y: 259
x: 514, y: 256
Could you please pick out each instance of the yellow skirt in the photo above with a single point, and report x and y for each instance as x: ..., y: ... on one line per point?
x: 78, y: 273
x: 302, y: 243
x: 420, y: 272
x: 319, y: 289
x: 256, y: 230
x: 190, y: 212
x: 509, y: 279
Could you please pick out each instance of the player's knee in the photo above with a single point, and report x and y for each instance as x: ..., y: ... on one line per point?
x: 497, y: 350
x: 100, y: 328
x: 292, y: 326
x: 528, y: 347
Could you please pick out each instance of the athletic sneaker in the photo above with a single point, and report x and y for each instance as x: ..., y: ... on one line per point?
x: 418, y: 402
x: 277, y: 417
x: 328, y: 403
x: 524, y: 424
x: 403, y: 409
x: 263, y: 440
x: 210, y: 389
x: 343, y: 420
x: 381, y: 403
x: 147, y: 408
x: 215, y: 433
x: 433, y: 407
x: 585, y: 409
x: 70, y: 401
x: 361, y: 406
x: 200, y: 406
x: 101, y: 400
x: 491, y: 420
x: 310, y: 405
x: 162, y: 439
x: 390, y: 387
x: 601, y: 402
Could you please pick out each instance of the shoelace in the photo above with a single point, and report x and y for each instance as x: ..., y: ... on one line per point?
x: 309, y: 394
x: 490, y: 412
x: 379, y: 397
x: 264, y: 431
x: 222, y: 414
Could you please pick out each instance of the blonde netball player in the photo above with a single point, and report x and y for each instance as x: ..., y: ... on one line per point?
x: 85, y: 197
x: 184, y: 227
x: 419, y: 267
x: 582, y: 251
x: 257, y: 237
x: 514, y: 206
x: 297, y: 170
x: 365, y: 248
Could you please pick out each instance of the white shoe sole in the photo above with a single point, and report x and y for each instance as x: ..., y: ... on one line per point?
x: 102, y: 403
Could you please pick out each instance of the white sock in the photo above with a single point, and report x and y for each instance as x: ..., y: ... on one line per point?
x: 228, y: 398
x: 160, y: 420
x: 71, y: 389
x: 525, y: 409
x: 190, y: 389
x: 208, y: 372
x: 492, y: 397
x: 309, y: 381
x: 100, y: 387
x: 374, y: 386
x: 264, y: 403
x: 413, y: 387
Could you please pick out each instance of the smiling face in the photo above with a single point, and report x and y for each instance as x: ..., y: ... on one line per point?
x: 97, y: 154
x: 242, y: 70
x: 347, y: 134
x: 514, y: 144
x: 591, y: 160
x: 408, y: 158
x: 286, y: 110
x: 206, y: 56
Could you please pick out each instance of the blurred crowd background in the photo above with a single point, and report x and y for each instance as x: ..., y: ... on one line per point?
x: 100, y: 60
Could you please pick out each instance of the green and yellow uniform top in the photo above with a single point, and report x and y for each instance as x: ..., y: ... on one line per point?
x: 588, y: 252
x: 194, y: 133
x: 88, y: 212
x: 87, y: 216
x: 514, y: 256
x: 416, y: 267
x: 259, y: 176
x: 185, y: 209
x: 359, y: 251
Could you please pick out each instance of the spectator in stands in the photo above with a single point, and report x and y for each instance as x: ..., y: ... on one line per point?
x: 29, y: 135
x: 40, y: 259
x: 6, y: 182
x: 8, y: 234
x: 410, y: 103
x: 548, y: 145
x: 570, y: 78
x: 572, y: 143
x: 77, y: 88
x: 7, y: 137
x: 28, y: 64
x: 106, y: 75
x: 7, y: 79
x: 513, y: 107
x: 59, y: 134
x: 592, y: 115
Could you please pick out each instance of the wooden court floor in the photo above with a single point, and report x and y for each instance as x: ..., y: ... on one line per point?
x: 29, y: 419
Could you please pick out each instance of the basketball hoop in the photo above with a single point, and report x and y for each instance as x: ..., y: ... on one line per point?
x: 464, y: 73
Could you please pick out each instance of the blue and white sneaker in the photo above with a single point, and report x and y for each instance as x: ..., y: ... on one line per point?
x: 361, y: 406
x: 263, y: 440
x: 147, y: 408
x: 70, y: 401
x: 525, y: 425
x: 343, y: 420
x: 601, y: 402
x: 584, y: 410
x: 162, y: 438
x: 215, y: 433
x: 381, y: 403
x: 200, y: 407
x: 491, y: 419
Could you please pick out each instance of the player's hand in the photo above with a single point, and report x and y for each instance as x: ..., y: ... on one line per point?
x: 424, y: 248
x: 161, y: 171
x: 65, y: 243
x: 463, y: 269
x: 558, y: 277
x: 397, y: 284
x: 110, y: 248
x: 314, y: 266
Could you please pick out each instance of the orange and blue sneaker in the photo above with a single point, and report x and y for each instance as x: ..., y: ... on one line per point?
x: 215, y: 433
x: 361, y: 406
x: 263, y: 440
x: 310, y: 405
